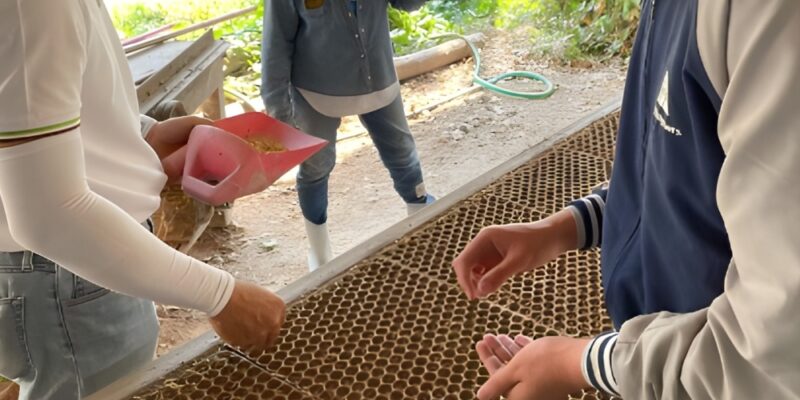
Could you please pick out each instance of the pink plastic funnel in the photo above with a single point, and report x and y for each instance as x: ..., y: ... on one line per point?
x: 221, y: 166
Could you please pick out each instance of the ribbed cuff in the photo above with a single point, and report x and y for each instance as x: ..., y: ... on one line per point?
x: 223, y: 293
x: 597, y: 368
x: 588, y: 213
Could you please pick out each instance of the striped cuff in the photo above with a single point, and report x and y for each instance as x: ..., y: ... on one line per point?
x: 44, y: 130
x: 588, y: 213
x: 597, y: 368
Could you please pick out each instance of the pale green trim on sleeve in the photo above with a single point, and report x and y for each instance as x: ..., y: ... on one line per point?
x: 44, y: 130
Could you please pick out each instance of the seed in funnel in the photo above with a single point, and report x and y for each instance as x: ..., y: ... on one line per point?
x: 265, y: 145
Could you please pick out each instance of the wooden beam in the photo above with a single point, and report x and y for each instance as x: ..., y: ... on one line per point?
x: 428, y: 60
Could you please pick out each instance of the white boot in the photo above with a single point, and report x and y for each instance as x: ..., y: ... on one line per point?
x: 415, y: 207
x: 319, y: 245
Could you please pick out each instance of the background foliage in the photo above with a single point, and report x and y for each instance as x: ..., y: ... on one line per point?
x: 563, y: 30
x: 243, y: 63
x: 560, y: 29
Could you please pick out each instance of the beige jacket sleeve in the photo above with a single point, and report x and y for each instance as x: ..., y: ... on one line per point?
x: 746, y: 345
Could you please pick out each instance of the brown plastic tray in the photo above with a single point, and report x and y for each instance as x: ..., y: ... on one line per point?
x: 396, y: 325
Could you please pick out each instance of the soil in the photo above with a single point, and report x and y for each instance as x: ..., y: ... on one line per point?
x: 456, y: 143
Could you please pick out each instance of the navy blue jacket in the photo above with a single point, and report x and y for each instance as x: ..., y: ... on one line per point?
x: 699, y: 225
x: 664, y: 245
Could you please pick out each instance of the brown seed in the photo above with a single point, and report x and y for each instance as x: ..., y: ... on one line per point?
x: 265, y: 145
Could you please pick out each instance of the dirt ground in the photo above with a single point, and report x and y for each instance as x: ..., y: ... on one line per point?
x: 456, y: 142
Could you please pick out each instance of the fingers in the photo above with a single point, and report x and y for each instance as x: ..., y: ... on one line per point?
x: 259, y: 339
x: 177, y: 130
x: 272, y: 338
x: 500, y: 383
x: 463, y: 275
x: 498, y: 275
x: 509, y: 345
x: 498, y: 348
x: 476, y: 273
x: 501, y: 348
x: 174, y: 163
x: 489, y: 360
x: 10, y: 392
x: 252, y: 318
x: 276, y: 331
x: 278, y: 314
x: 252, y: 349
x: 522, y: 340
x: 479, y: 256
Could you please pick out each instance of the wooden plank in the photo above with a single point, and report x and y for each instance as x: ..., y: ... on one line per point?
x: 150, y: 88
x: 205, y: 78
x: 191, y: 78
x: 428, y: 60
x: 214, y: 106
x: 147, y: 62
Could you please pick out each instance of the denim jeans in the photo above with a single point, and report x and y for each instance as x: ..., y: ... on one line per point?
x: 391, y: 135
x: 63, y: 337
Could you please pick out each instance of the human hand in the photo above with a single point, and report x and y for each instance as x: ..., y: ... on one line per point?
x: 521, y: 369
x: 252, y: 319
x: 499, y: 252
x: 9, y: 391
x: 168, y: 139
x: 503, y: 347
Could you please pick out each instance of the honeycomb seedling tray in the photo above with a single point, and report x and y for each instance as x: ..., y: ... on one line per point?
x: 396, y: 326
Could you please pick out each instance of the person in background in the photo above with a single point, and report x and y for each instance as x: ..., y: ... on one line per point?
x: 698, y: 227
x: 326, y: 59
x: 79, y: 178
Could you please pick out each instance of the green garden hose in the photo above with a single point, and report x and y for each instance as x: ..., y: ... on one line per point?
x: 489, y: 83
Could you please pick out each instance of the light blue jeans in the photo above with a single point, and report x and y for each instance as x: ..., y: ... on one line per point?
x: 63, y: 337
x: 391, y: 135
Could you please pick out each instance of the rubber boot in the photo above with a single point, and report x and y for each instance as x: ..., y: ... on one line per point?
x: 319, y: 245
x: 415, y: 207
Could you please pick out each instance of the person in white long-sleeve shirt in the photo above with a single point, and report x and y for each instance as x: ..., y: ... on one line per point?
x: 79, y: 178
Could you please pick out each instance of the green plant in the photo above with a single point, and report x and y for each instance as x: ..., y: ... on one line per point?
x: 465, y: 13
x: 513, y: 13
x: 561, y: 29
x: 242, y: 64
x: 132, y: 19
x: 587, y: 29
x: 412, y: 31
